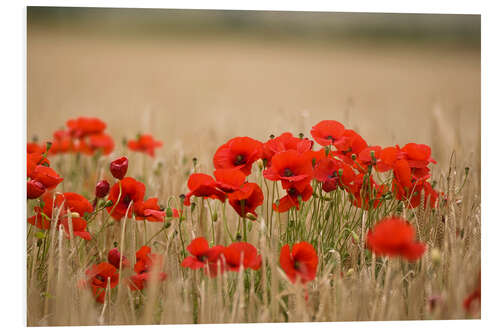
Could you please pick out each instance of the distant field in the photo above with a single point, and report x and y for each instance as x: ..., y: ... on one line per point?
x: 189, y: 90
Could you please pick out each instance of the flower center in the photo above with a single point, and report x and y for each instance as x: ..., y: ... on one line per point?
x: 240, y: 159
x: 287, y: 172
x: 127, y: 199
x: 100, y: 278
x: 330, y: 138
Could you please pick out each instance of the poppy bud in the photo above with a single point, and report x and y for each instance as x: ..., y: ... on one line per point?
x: 167, y: 225
x: 436, y: 256
x: 260, y: 164
x: 169, y: 212
x: 114, y: 257
x: 35, y: 189
x: 119, y: 167
x: 214, y: 216
x: 102, y: 189
x: 250, y: 216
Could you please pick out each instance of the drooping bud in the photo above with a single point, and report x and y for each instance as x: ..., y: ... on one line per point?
x: 114, y: 257
x: 102, y: 189
x: 119, y: 167
x: 35, y: 189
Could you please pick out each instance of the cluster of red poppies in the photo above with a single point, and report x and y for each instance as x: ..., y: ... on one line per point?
x: 82, y: 135
x: 345, y: 161
x: 41, y: 177
x: 127, y: 195
x: 86, y: 135
x: 301, y: 261
x: 105, y: 274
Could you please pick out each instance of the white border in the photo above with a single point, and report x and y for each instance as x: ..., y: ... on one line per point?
x: 13, y: 85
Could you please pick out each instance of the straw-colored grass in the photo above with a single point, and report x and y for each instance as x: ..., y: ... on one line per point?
x: 351, y: 284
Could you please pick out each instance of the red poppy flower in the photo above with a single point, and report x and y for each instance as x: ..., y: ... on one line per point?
x: 314, y: 156
x: 114, y: 257
x: 73, y: 202
x: 394, y: 237
x: 47, y: 176
x: 327, y: 132
x: 367, y: 194
x: 291, y: 199
x: 332, y: 173
x: 418, y: 155
x: 350, y: 143
x: 62, y: 142
x: 365, y: 159
x: 33, y: 147
x: 246, y: 199
x: 291, y: 168
x: 35, y: 189
x: 102, y: 142
x: 301, y: 262
x: 79, y: 227
x: 202, y: 185
x: 284, y: 142
x: 145, y: 143
x: 473, y: 301
x: 203, y: 256
x: 241, y: 254
x: 119, y: 167
x: 99, y: 277
x: 240, y: 153
x: 229, y: 180
x: 144, y: 267
x: 132, y: 190
x: 84, y: 126
x: 33, y: 160
x: 149, y: 210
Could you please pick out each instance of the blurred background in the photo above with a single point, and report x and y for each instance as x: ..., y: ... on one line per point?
x: 195, y: 78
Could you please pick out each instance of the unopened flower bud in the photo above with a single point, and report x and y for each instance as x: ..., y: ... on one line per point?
x: 114, y: 257
x: 35, y: 189
x: 260, y: 164
x: 214, y: 216
x: 102, y: 189
x: 436, y: 256
x: 167, y: 225
x: 119, y: 167
x: 251, y: 217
